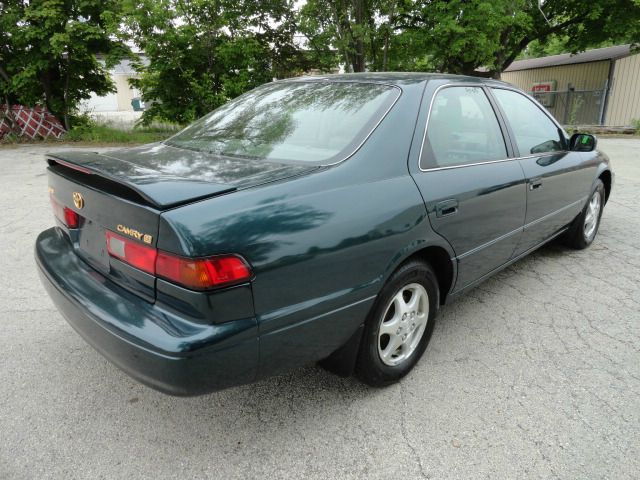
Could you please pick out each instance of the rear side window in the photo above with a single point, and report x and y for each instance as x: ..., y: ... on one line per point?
x: 533, y: 130
x: 316, y: 122
x: 462, y: 129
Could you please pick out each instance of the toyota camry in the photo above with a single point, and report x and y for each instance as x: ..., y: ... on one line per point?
x: 317, y: 219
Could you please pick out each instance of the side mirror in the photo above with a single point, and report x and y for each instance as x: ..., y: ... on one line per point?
x: 582, y: 142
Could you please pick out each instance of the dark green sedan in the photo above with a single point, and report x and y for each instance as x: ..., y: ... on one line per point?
x: 314, y: 219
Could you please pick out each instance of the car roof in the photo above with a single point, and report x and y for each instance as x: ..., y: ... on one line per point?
x: 397, y: 78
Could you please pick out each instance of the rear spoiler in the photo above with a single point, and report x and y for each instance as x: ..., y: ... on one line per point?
x: 154, y: 188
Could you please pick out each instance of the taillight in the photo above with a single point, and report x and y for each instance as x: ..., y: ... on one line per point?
x: 202, y: 273
x: 135, y: 254
x: 193, y: 273
x: 67, y: 216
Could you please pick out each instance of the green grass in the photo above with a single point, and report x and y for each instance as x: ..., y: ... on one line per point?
x: 102, y: 134
x: 106, y: 134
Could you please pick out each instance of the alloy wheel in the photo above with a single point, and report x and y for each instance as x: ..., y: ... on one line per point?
x: 403, y: 324
x: 592, y: 216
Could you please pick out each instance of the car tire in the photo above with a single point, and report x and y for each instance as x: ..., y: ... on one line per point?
x: 399, y: 326
x: 584, y: 229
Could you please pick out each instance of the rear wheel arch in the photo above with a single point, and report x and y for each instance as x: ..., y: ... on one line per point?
x: 442, y: 266
x: 440, y: 261
x: 605, y: 177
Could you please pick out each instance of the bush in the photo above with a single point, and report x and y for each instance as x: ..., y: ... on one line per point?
x: 96, y: 133
x: 87, y: 130
x: 635, y: 123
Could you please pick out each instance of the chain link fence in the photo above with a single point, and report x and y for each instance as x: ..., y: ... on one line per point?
x: 575, y: 107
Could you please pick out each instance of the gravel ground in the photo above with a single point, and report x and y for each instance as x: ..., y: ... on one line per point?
x: 534, y: 374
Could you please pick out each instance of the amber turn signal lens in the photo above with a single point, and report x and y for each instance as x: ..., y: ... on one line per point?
x: 202, y: 273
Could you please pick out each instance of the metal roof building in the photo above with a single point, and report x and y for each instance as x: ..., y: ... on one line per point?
x: 596, y: 87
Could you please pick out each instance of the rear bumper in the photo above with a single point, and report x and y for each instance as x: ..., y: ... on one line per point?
x: 154, y: 345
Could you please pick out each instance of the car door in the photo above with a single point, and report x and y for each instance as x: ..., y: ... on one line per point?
x: 474, y: 192
x: 558, y: 180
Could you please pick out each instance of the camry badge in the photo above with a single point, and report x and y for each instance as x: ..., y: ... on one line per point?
x: 78, y: 200
x: 132, y: 232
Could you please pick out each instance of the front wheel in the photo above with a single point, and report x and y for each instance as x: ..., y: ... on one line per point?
x: 585, y: 227
x: 399, y: 326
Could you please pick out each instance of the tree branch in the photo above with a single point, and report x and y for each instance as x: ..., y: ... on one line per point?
x: 4, y: 75
x: 522, y: 44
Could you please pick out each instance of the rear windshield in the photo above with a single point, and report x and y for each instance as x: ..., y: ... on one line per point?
x: 318, y: 122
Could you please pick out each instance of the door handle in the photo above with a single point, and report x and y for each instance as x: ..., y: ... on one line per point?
x: 447, y: 207
x: 535, y: 184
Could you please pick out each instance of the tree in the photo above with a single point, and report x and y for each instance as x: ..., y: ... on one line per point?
x: 317, y: 26
x: 202, y: 53
x: 352, y: 27
x: 461, y: 36
x: 467, y: 34
x: 49, y: 48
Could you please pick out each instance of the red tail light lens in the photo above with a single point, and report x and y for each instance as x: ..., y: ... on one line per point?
x: 193, y: 273
x: 202, y: 273
x: 67, y: 216
x: 135, y: 254
x: 71, y: 218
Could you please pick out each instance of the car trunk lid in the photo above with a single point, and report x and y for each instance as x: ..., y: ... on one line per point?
x: 166, y: 177
x: 126, y: 191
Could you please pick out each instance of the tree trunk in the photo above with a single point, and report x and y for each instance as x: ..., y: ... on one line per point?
x: 8, y: 114
x: 65, y: 96
x: 387, y: 38
x: 10, y: 117
x: 385, y: 52
x: 373, y: 37
x: 358, y: 40
x: 342, y: 25
x: 46, y: 87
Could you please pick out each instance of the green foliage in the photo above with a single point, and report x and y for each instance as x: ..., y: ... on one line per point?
x: 105, y: 134
x: 460, y: 36
x: 464, y: 35
x: 408, y: 51
x: 317, y: 26
x: 363, y: 34
x: 554, y: 45
x: 48, y: 51
x: 635, y: 123
x: 576, y: 104
x: 202, y: 53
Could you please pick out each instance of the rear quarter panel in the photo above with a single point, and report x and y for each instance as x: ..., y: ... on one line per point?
x: 604, y: 164
x: 321, y: 245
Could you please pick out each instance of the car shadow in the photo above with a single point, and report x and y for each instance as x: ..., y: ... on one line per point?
x: 305, y: 397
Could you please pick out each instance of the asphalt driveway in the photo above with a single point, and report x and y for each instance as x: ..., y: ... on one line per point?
x: 534, y: 374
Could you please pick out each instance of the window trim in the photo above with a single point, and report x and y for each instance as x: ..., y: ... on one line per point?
x: 505, y: 126
x: 498, y: 115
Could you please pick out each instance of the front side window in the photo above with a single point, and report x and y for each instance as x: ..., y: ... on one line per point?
x: 533, y: 130
x: 318, y: 122
x: 462, y: 129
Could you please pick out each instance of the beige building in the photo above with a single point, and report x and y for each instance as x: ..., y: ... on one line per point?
x: 120, y: 100
x: 596, y: 87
